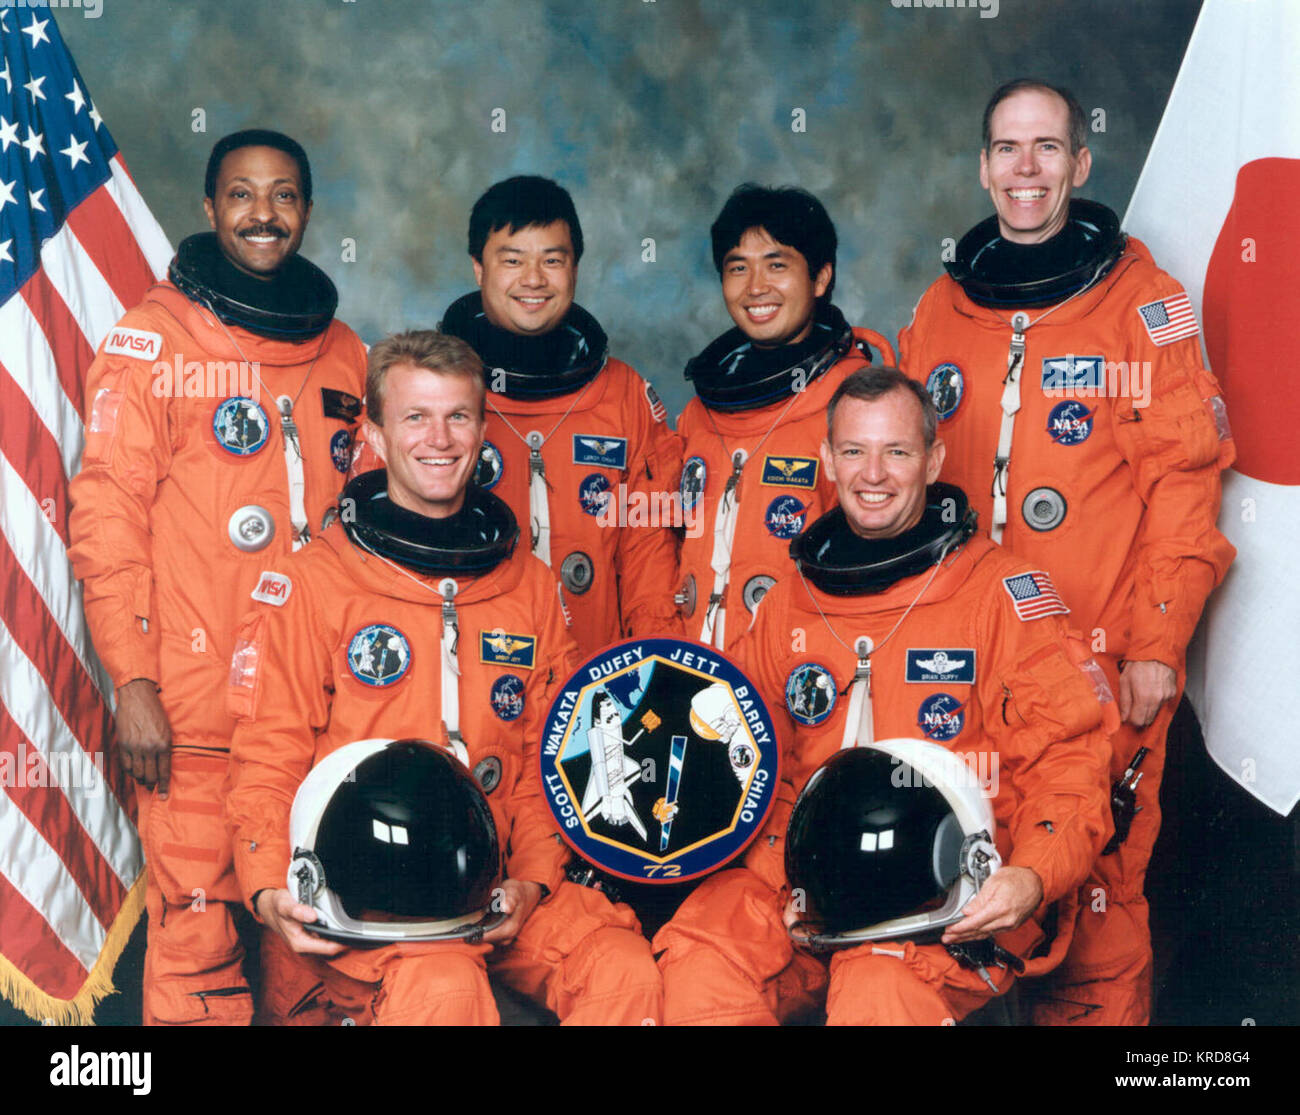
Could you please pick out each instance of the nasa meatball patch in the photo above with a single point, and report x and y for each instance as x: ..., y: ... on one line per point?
x: 1070, y: 422
x: 594, y: 494
x: 784, y: 517
x: 507, y: 697
x: 659, y: 760
x: 941, y: 716
x: 341, y: 449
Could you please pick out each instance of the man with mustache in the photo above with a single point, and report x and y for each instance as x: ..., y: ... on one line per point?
x: 220, y: 418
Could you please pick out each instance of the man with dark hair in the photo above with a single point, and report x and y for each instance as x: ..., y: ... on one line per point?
x: 424, y: 566
x: 1067, y: 373
x: 577, y: 443
x: 257, y: 137
x: 905, y: 623
x: 220, y: 419
x: 751, y: 434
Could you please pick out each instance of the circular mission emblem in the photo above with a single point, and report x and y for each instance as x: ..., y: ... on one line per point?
x: 241, y: 426
x: 946, y: 386
x: 488, y: 470
x: 378, y: 654
x: 659, y: 760
x: 810, y: 693
x: 693, y: 476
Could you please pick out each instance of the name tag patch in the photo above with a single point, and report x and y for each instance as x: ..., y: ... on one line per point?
x: 608, y: 452
x: 505, y: 649
x: 927, y: 665
x: 1072, y: 373
x: 791, y: 472
x: 339, y: 404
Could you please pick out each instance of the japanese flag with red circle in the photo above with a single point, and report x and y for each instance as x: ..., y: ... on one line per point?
x: 1217, y: 205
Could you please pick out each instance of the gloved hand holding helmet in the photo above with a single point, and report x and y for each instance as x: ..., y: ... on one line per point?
x: 888, y: 840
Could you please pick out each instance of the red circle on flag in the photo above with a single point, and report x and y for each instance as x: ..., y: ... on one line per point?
x: 1252, y: 314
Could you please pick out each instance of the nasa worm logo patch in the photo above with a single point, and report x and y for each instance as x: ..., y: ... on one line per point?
x: 810, y: 693
x: 379, y: 655
x: 593, y: 494
x: 941, y: 716
x: 659, y: 760
x: 784, y: 517
x: 947, y: 387
x: 507, y: 697
x: 241, y: 426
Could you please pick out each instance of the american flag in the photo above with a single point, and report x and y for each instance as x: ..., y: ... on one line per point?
x: 77, y: 247
x: 1034, y: 595
x: 1171, y: 319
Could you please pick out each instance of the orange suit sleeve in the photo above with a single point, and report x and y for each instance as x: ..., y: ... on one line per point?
x: 1174, y: 434
x: 1045, y: 714
x: 128, y: 452
x: 278, y: 694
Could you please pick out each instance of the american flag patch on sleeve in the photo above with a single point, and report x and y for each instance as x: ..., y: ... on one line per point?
x: 657, y: 410
x: 1171, y: 319
x: 1034, y: 595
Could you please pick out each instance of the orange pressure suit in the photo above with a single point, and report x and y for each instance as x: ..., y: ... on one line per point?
x: 350, y: 650
x: 1018, y: 706
x: 184, y: 496
x: 765, y: 461
x: 589, y: 474
x: 1118, y: 500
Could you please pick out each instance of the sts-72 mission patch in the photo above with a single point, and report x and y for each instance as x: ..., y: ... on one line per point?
x: 659, y: 760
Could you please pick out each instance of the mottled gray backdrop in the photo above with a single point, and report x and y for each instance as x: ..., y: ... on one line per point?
x: 649, y: 111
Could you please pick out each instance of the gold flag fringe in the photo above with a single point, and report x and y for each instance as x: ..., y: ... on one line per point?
x: 79, y: 1010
